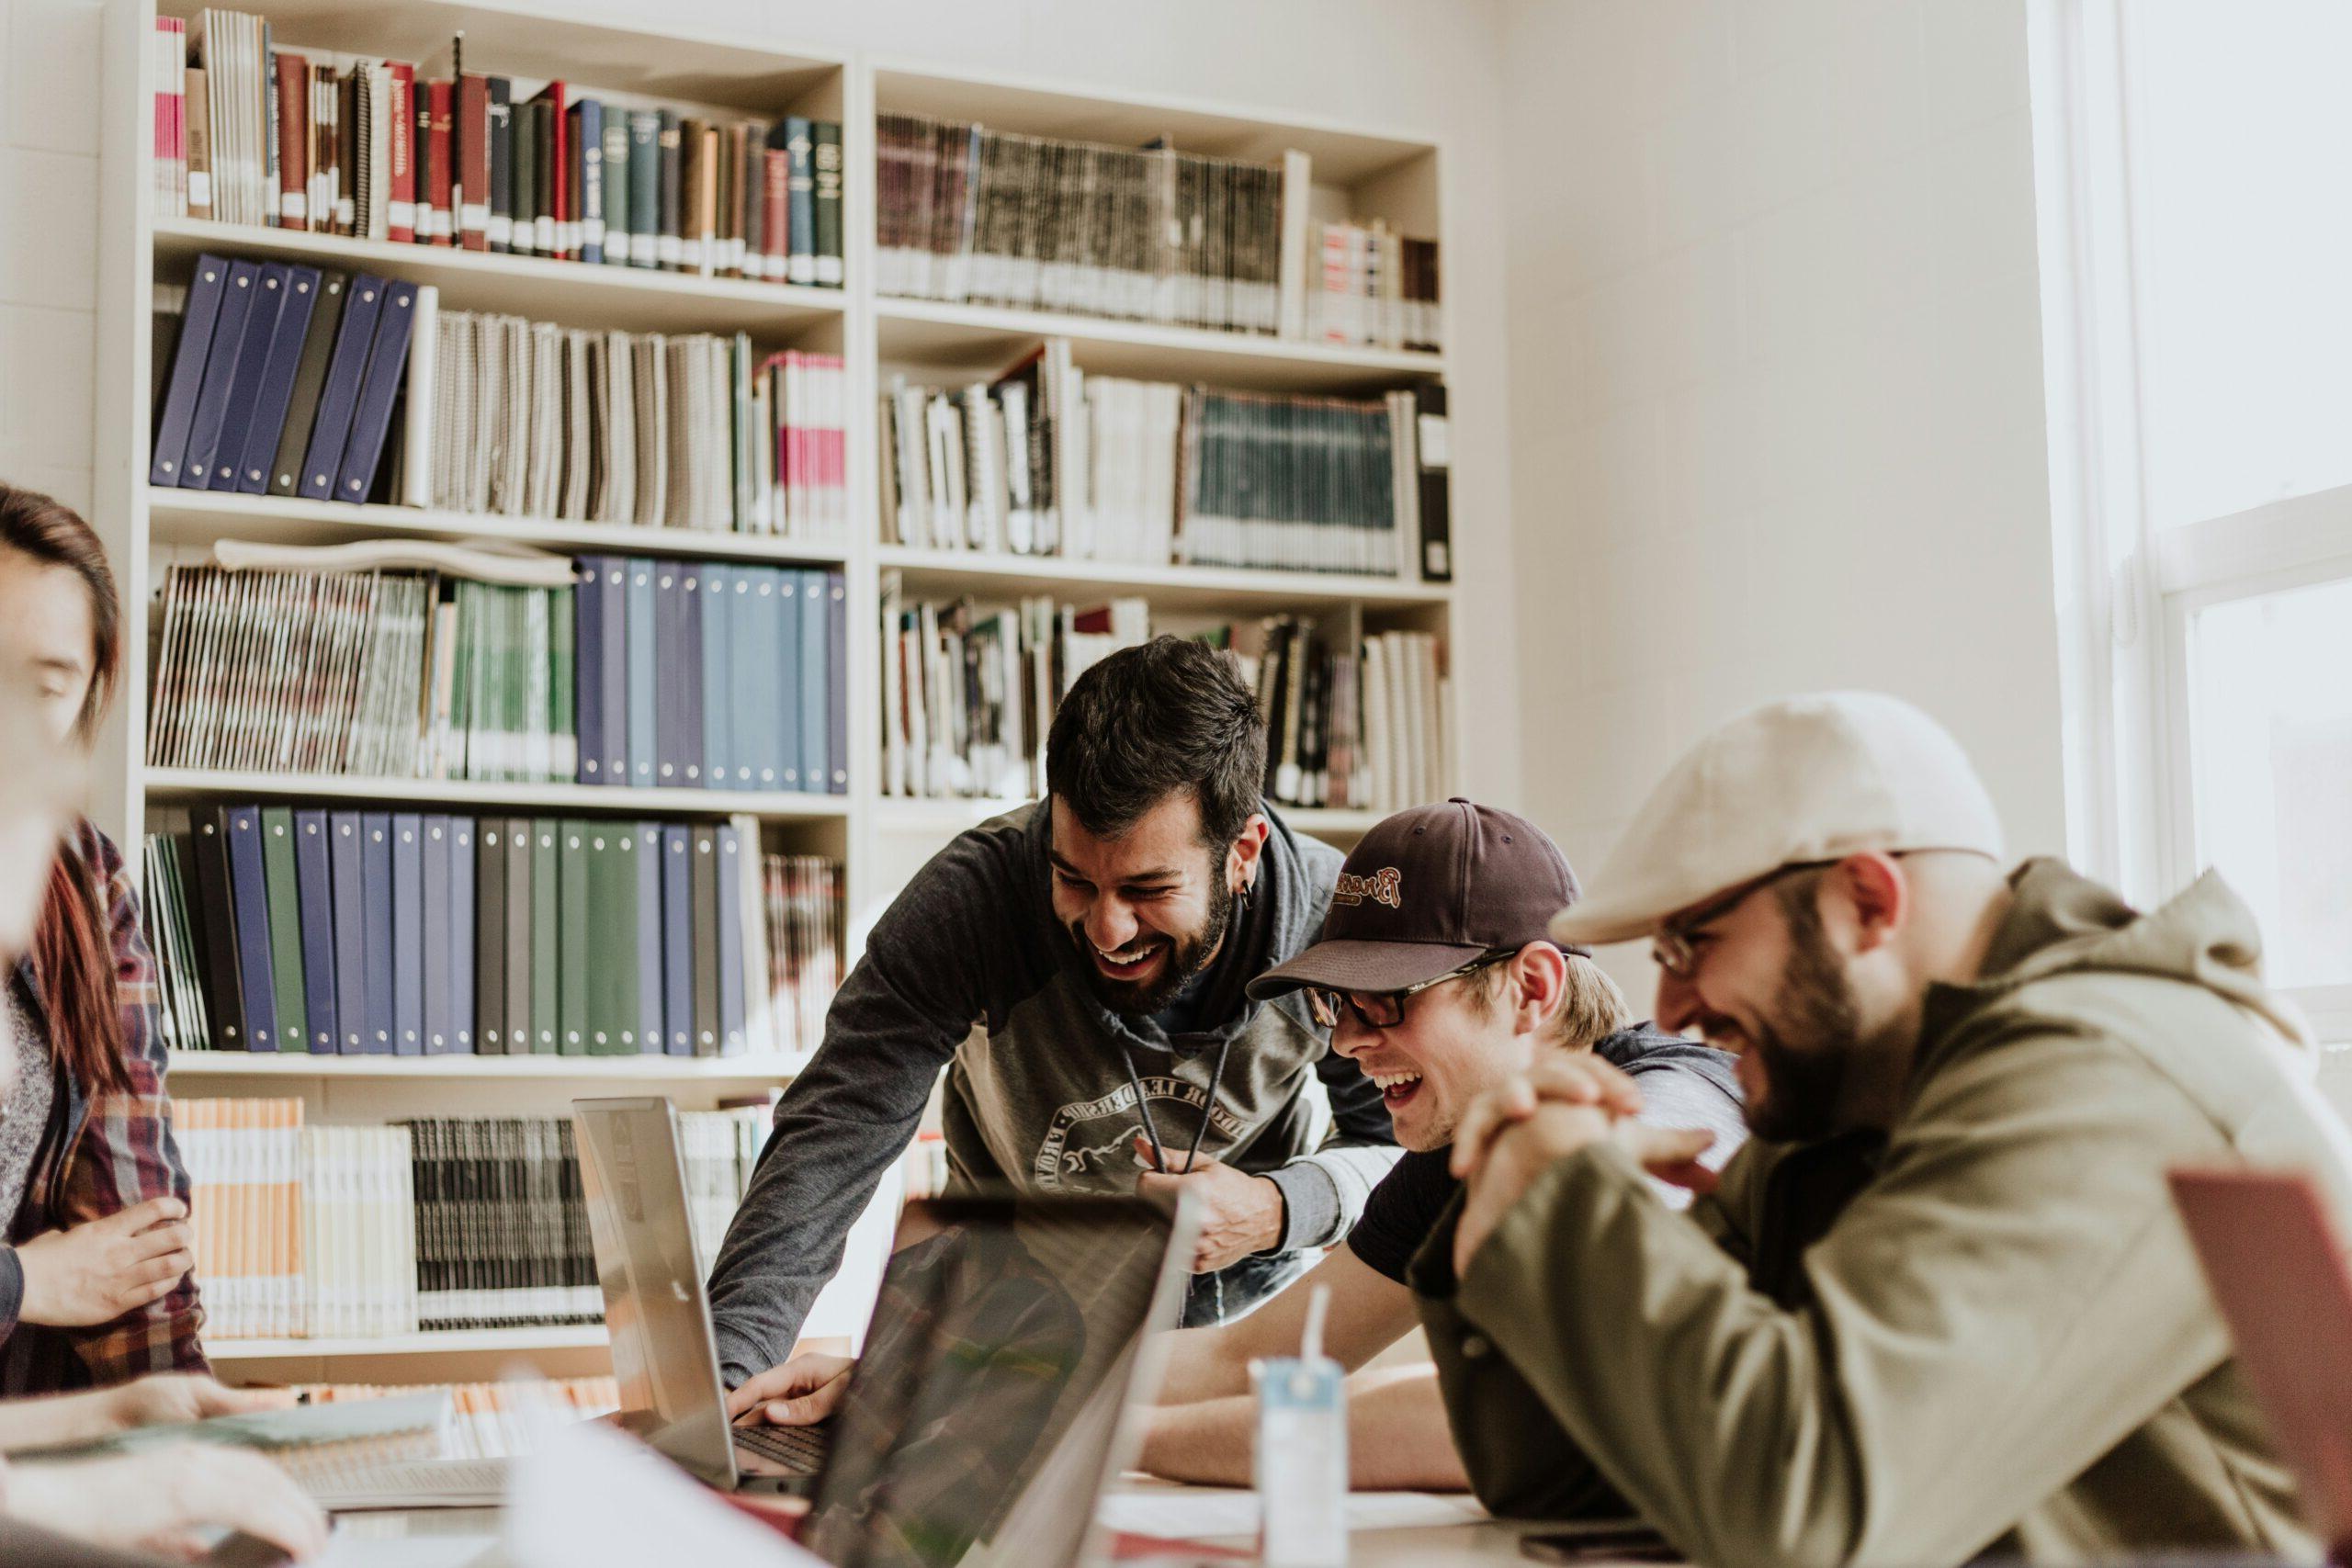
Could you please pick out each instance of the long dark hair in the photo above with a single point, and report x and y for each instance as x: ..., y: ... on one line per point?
x: 73, y: 952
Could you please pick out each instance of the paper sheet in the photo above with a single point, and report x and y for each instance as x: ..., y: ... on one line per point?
x: 589, y: 1495
x: 1200, y: 1513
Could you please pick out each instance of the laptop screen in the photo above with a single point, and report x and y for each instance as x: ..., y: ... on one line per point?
x: 993, y: 1376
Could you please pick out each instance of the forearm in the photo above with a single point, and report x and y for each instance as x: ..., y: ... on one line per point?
x: 1397, y: 1439
x: 1203, y: 1363
x: 61, y: 1418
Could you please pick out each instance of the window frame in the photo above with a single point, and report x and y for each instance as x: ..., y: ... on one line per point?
x: 2127, y: 592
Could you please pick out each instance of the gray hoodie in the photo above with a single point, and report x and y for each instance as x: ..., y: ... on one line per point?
x: 1038, y: 1095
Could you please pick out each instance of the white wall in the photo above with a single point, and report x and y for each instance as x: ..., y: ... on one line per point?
x: 1422, y: 66
x: 1775, y: 386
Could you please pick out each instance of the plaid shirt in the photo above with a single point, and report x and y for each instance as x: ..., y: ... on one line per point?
x: 98, y: 1159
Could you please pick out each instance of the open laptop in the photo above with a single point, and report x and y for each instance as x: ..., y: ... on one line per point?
x: 990, y: 1406
x: 2277, y: 1266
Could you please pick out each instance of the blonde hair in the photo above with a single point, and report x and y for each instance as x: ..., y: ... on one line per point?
x: 1592, y: 1007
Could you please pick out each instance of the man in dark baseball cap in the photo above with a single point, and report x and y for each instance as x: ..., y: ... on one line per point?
x: 1435, y: 972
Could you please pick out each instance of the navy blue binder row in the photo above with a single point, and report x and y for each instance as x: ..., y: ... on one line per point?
x: 283, y: 382
x: 421, y: 934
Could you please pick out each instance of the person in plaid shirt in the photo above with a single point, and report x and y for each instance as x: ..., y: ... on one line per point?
x: 95, y: 1285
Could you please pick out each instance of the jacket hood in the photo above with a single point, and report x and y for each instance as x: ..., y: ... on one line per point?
x: 2062, y: 922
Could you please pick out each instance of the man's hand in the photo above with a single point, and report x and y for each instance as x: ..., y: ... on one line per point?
x: 162, y: 1500
x: 102, y: 1269
x: 1241, y: 1213
x: 188, y: 1396
x: 801, y: 1392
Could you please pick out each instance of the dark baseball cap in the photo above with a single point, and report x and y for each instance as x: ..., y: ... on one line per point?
x: 1427, y: 891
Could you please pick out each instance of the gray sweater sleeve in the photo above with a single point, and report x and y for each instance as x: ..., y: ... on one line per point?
x: 929, y: 967
x: 1324, y: 1193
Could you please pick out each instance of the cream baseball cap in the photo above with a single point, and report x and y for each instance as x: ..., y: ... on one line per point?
x: 1811, y: 778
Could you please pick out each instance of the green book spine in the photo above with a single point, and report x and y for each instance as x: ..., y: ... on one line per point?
x: 620, y: 950
x: 453, y: 745
x: 285, y: 925
x: 703, y: 926
x: 616, y: 220
x: 575, y: 964
x: 604, y: 993
x: 545, y: 936
x: 518, y: 936
x: 564, y: 726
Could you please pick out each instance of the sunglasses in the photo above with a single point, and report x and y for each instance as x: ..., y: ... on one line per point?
x: 1384, y: 1009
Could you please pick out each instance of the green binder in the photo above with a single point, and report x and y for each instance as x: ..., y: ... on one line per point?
x: 574, y: 964
x: 285, y: 925
x: 545, y: 936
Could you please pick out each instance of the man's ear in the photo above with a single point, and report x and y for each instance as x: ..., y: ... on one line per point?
x: 1539, y: 973
x: 1878, y: 897
x: 1242, y: 860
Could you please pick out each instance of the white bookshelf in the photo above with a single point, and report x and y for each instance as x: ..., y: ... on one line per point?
x: 1366, y: 170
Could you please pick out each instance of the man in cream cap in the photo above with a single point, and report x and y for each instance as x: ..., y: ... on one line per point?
x: 1939, y: 1304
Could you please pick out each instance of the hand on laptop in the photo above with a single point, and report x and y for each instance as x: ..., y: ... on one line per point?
x: 801, y: 1392
x: 188, y: 1396
x: 161, y: 1501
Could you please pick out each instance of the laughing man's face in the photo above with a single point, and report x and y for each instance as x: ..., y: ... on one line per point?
x: 1147, y: 908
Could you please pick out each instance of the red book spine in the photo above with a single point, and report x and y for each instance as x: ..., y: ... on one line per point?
x: 775, y: 200
x: 401, y: 202
x: 558, y: 180
x: 473, y: 201
x: 445, y: 228
x: 293, y: 140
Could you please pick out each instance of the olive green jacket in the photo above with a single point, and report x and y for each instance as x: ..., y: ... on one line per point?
x: 1986, y: 1330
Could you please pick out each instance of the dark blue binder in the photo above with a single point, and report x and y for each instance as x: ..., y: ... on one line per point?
x: 220, y: 375
x: 588, y: 175
x: 615, y: 611
x: 461, y: 934
x: 816, y: 654
x: 355, y: 334
x: 350, y: 932
x: 438, y: 1032
x: 776, y: 653
x: 717, y: 681
x: 314, y: 897
x: 731, y: 941
x: 249, y: 897
x: 371, y: 420
x: 753, y: 623
x: 650, y: 1037
x: 588, y: 669
x: 690, y: 671
x: 669, y: 707
x: 642, y: 684
x: 262, y: 317
x: 677, y: 941
x: 408, y: 934
x: 275, y: 394
x: 800, y: 243
x: 836, y: 684
x: 206, y: 285
x: 375, y: 897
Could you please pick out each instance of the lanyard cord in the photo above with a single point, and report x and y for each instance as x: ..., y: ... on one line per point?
x: 1151, y: 1127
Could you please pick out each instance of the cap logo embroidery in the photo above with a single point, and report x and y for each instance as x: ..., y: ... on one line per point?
x: 1383, y: 886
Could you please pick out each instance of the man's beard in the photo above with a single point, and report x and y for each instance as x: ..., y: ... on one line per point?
x: 1190, y: 956
x: 1804, y: 1083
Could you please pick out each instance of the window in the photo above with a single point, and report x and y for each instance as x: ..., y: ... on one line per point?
x: 2194, y: 172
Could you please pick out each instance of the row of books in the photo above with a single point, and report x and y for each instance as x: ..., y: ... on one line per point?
x: 285, y: 928
x: 965, y: 212
x: 967, y: 696
x: 1363, y: 726
x: 488, y: 1420
x: 247, y: 131
x: 284, y: 379
x: 528, y: 419
x: 1050, y: 461
x: 648, y: 673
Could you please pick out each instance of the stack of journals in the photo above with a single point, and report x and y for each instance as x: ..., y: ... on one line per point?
x: 530, y: 419
x: 967, y: 698
x: 407, y: 935
x: 313, y: 1231
x: 1363, y: 728
x: 283, y: 378
x: 649, y: 673
x: 1369, y: 287
x: 333, y: 144
x: 1046, y: 459
x: 489, y: 1420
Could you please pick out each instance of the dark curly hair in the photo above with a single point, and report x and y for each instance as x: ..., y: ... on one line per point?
x: 1145, y: 722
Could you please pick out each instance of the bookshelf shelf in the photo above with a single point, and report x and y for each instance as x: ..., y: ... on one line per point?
x: 631, y: 298
x: 946, y: 818
x: 930, y: 333
x: 195, y: 518
x: 620, y: 1070
x: 444, y: 1341
x: 176, y: 783
x: 929, y: 573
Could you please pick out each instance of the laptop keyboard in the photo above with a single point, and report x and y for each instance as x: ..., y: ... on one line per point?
x: 798, y: 1449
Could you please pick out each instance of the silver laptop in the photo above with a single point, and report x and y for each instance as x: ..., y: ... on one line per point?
x: 992, y: 1402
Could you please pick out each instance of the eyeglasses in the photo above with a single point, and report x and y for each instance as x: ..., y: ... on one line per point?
x: 1672, y: 949
x: 1384, y: 1009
